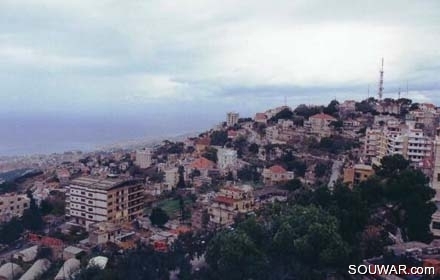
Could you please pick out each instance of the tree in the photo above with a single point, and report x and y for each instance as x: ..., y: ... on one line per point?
x: 248, y: 174
x: 234, y: 255
x: 219, y: 138
x: 253, y: 148
x: 181, y: 182
x: 285, y: 114
x: 332, y: 108
x: 211, y: 154
x: 158, y: 217
x: 292, y: 185
x: 11, y: 231
x: 392, y: 165
x: 32, y: 219
x: 320, y: 169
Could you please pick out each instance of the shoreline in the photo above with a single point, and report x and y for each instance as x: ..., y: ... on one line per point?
x: 129, y: 144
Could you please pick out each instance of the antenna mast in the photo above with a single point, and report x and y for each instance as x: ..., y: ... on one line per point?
x: 380, y: 92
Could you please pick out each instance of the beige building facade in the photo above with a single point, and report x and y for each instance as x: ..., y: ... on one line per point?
x: 90, y: 200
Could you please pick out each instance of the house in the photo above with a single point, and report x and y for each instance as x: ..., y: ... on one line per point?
x: 260, y: 118
x: 202, y: 144
x: 229, y: 202
x: 357, y: 173
x: 319, y: 124
x: 276, y: 175
x: 12, y: 205
x: 203, y: 165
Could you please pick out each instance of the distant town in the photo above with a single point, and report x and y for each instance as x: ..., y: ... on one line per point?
x: 289, y: 193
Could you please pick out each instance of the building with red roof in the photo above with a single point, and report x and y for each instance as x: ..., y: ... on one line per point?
x: 202, y: 144
x: 276, y: 174
x: 260, y: 117
x: 230, y: 201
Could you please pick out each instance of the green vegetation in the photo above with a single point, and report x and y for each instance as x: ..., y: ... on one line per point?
x: 211, y: 154
x: 285, y: 114
x: 219, y: 138
x: 8, y: 187
x: 158, y: 217
x: 11, y: 231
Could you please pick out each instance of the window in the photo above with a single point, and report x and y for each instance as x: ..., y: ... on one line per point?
x: 90, y: 194
x: 83, y: 193
x: 90, y: 209
x: 436, y: 225
x: 438, y: 177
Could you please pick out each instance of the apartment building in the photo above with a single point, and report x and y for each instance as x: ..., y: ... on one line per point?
x: 12, y: 205
x: 171, y: 178
x: 231, y: 118
x: 319, y: 124
x: 229, y: 202
x: 144, y: 158
x: 436, y: 172
x: 405, y: 140
x: 226, y: 159
x: 90, y: 200
x: 371, y: 143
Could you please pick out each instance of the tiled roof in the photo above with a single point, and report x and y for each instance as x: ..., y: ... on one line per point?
x: 203, y: 141
x: 260, y: 116
x: 277, y: 169
x: 323, y: 116
x: 224, y: 200
x: 202, y: 163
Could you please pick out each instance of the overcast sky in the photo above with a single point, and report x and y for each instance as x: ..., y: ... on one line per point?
x: 207, y: 57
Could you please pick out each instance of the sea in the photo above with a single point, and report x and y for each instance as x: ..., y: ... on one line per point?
x: 24, y: 135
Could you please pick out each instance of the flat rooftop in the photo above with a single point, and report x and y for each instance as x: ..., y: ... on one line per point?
x: 101, y: 184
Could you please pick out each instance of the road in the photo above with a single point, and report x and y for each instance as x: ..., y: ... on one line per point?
x: 336, y: 171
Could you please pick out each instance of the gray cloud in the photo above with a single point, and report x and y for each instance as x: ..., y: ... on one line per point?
x: 216, y: 55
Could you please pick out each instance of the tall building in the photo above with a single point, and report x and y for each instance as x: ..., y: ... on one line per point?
x: 231, y: 118
x: 90, y: 200
x: 12, y: 205
x: 144, y: 158
x: 436, y: 173
x: 371, y: 143
x: 226, y: 159
x: 405, y: 140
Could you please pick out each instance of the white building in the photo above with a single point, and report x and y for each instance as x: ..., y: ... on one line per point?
x: 144, y: 158
x: 90, y: 200
x: 226, y: 159
x: 12, y: 205
x: 405, y: 140
x: 232, y: 118
x: 171, y: 178
x: 436, y: 173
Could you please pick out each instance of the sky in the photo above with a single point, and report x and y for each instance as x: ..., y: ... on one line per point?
x: 198, y: 59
